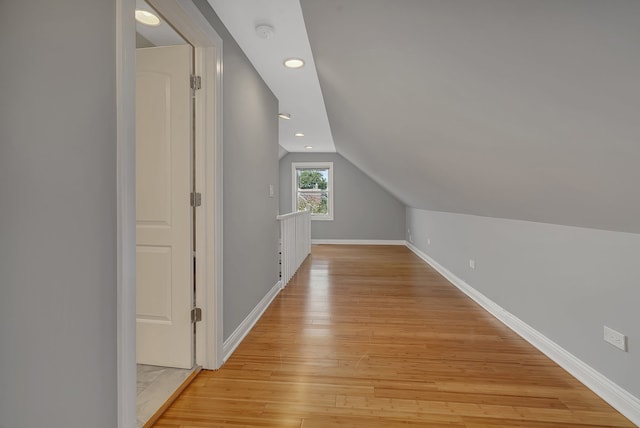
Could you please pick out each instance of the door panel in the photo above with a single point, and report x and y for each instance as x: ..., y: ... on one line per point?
x: 154, y: 283
x: 163, y: 213
x: 153, y: 144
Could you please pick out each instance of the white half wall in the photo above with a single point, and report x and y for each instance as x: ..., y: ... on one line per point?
x: 564, y: 282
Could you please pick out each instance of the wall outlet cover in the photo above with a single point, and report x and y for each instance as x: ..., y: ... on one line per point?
x: 615, y: 338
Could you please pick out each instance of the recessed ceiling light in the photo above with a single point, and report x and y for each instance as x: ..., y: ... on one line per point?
x: 293, y: 63
x: 308, y: 147
x: 299, y: 134
x: 286, y: 116
x: 147, y: 18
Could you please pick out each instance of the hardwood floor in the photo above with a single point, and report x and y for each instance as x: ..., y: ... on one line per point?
x: 371, y: 336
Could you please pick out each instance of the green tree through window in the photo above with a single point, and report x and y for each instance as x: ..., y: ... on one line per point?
x: 313, y: 188
x: 310, y: 179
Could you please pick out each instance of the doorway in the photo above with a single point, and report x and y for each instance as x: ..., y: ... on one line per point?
x: 165, y: 227
x: 206, y: 257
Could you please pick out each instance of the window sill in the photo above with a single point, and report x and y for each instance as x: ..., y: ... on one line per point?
x: 321, y: 218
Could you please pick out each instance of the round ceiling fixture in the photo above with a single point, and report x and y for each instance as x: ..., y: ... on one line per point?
x: 147, y: 18
x: 299, y: 134
x: 308, y: 147
x: 294, y: 63
x: 265, y: 31
x: 286, y: 116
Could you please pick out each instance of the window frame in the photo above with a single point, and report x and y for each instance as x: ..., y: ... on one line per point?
x: 295, y: 166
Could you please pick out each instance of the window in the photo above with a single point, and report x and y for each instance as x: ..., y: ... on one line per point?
x: 313, y: 188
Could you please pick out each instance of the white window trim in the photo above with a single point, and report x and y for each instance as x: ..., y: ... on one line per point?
x: 294, y: 186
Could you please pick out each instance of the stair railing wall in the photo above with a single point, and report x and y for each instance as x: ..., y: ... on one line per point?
x: 295, y: 242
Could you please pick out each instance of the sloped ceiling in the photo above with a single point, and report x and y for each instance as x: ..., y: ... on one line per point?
x: 298, y: 91
x: 520, y: 109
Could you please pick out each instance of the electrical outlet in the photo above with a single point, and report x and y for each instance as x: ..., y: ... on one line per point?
x: 618, y: 340
x: 472, y: 263
x: 410, y: 238
x: 428, y: 241
x: 271, y: 190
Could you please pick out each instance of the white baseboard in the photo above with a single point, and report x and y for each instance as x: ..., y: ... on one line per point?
x: 609, y: 391
x: 247, y: 324
x: 358, y: 242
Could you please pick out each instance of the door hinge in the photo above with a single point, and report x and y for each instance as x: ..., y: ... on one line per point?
x: 195, y: 82
x: 196, y: 315
x: 196, y: 199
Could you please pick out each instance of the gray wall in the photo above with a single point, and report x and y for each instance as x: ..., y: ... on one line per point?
x: 565, y: 282
x: 362, y: 209
x: 58, y: 214
x: 58, y: 268
x: 281, y: 152
x: 251, y: 231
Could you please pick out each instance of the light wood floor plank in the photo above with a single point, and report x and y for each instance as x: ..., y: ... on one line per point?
x: 371, y: 336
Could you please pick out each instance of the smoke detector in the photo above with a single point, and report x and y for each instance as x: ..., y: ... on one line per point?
x: 265, y: 31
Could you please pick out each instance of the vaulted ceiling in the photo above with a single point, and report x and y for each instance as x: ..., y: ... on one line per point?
x: 519, y: 109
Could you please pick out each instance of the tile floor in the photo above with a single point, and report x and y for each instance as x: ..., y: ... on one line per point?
x: 155, y: 386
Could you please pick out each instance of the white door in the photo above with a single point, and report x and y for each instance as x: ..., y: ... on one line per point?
x: 164, y: 278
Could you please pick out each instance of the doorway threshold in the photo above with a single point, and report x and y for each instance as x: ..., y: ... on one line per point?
x: 157, y: 388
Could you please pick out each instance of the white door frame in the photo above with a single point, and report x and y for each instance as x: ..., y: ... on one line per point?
x: 193, y: 26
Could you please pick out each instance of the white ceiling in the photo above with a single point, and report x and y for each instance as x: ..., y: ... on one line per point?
x: 298, y: 91
x: 160, y: 35
x: 520, y: 109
